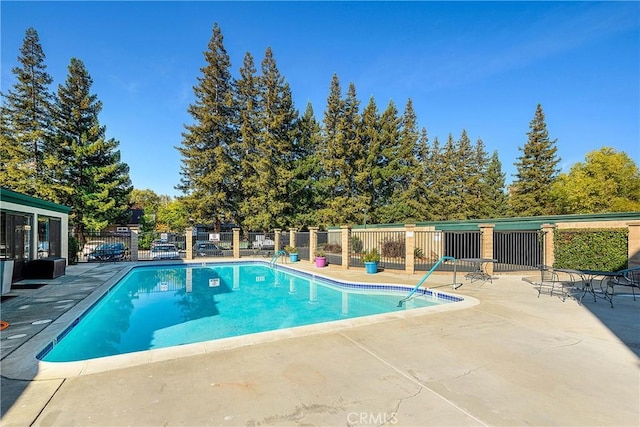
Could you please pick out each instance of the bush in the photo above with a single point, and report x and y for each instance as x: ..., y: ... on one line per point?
x: 335, y: 248
x: 356, y: 244
x: 393, y: 248
x: 74, y: 248
x: 371, y: 256
x: 291, y: 249
x: 591, y: 249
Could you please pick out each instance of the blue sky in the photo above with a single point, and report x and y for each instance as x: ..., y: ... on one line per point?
x: 479, y: 66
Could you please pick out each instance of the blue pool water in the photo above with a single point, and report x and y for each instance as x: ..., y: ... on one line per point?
x: 164, y: 306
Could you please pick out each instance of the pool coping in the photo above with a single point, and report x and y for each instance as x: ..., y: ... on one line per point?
x: 23, y: 363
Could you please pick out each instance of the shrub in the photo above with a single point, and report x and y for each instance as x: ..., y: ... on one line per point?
x: 356, y: 244
x: 334, y: 248
x: 591, y: 249
x: 371, y: 256
x: 74, y: 248
x: 393, y: 248
x: 291, y: 249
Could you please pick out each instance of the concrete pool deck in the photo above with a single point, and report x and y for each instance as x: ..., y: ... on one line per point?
x: 513, y: 359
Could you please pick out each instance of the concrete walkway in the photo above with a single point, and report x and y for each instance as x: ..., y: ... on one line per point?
x: 514, y: 359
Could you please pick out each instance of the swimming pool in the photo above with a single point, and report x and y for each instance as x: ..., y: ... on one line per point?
x: 155, y: 307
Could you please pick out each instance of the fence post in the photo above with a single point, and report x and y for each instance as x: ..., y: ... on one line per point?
x: 189, y: 242
x: 410, y: 245
x: 276, y: 239
x: 634, y: 244
x: 548, y: 253
x: 486, y: 244
x: 292, y: 237
x: 313, y: 242
x: 346, y: 235
x: 134, y: 245
x: 236, y: 242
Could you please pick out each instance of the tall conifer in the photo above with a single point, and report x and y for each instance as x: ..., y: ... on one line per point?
x: 96, y: 180
x: 537, y: 169
x: 25, y: 126
x: 207, y: 160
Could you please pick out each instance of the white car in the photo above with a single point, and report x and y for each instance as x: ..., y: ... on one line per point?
x: 165, y: 251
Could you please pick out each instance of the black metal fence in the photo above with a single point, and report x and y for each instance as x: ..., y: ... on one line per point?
x: 302, y: 243
x: 517, y: 250
x: 390, y: 245
x: 514, y: 250
x: 103, y: 246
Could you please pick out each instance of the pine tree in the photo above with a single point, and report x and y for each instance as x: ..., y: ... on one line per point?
x: 387, y: 168
x: 247, y: 151
x: 278, y: 123
x: 331, y: 155
x: 537, y: 169
x: 207, y: 160
x: 366, y: 178
x: 495, y: 181
x: 477, y: 190
x: 437, y: 171
x: 306, y: 171
x: 25, y: 126
x: 96, y: 180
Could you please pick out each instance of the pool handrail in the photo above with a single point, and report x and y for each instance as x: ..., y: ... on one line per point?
x: 278, y: 254
x: 444, y: 258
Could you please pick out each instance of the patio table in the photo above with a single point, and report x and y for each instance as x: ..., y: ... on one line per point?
x: 479, y: 271
x: 589, y: 276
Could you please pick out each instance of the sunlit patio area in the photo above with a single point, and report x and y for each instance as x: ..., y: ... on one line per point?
x: 515, y: 358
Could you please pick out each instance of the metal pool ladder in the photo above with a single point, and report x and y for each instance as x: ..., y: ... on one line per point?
x: 274, y: 260
x: 444, y: 258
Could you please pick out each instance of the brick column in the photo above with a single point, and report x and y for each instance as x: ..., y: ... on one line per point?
x: 292, y: 237
x: 189, y: 242
x: 313, y: 242
x: 236, y: 242
x: 276, y: 239
x: 133, y: 250
x: 410, y: 245
x: 486, y: 245
x: 634, y: 244
x: 547, y: 251
x: 346, y: 235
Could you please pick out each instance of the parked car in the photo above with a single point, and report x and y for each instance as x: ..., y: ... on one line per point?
x: 165, y: 251
x: 91, y: 246
x: 206, y: 249
x: 109, y: 252
x: 264, y: 244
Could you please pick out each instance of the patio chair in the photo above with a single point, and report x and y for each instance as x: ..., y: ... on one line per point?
x: 548, y: 280
x: 629, y: 278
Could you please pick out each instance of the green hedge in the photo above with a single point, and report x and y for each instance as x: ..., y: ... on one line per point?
x: 591, y: 249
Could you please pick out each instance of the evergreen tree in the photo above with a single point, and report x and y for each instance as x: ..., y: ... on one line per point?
x: 25, y: 124
x: 477, y: 190
x: 447, y: 182
x: 387, y: 167
x: 207, y: 160
x: 366, y: 178
x: 248, y: 152
x: 331, y: 155
x: 306, y: 171
x: 97, y: 181
x: 406, y: 194
x: 537, y: 169
x: 437, y: 171
x: 495, y: 197
x: 278, y: 125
